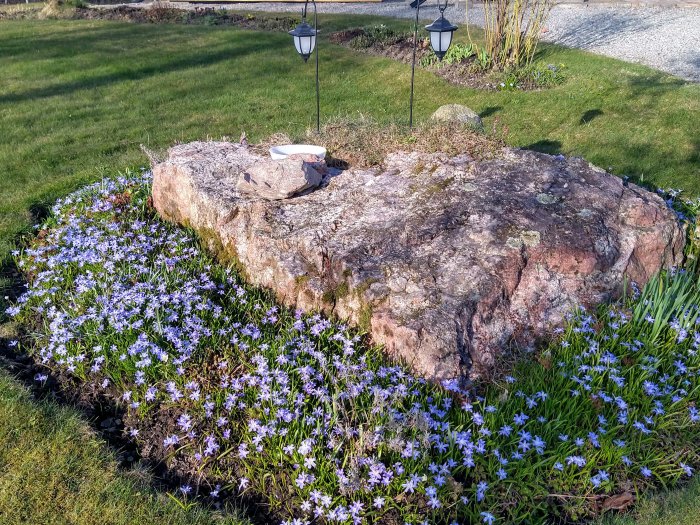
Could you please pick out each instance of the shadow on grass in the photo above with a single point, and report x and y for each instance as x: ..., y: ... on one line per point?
x: 552, y: 147
x: 589, y: 115
x: 11, y: 286
x: 40, y: 210
x: 201, y: 59
x: 490, y: 110
x: 546, y: 49
x: 11, y: 281
x: 62, y: 44
x: 655, y: 83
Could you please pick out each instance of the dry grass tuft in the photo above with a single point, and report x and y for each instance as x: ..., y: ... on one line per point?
x: 262, y: 147
x: 18, y: 10
x: 363, y: 143
x: 51, y: 10
x: 59, y: 10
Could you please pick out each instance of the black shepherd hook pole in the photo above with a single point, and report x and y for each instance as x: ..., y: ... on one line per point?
x: 415, y: 4
x: 306, y: 42
x: 318, y: 89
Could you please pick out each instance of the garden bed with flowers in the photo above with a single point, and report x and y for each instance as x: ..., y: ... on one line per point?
x: 240, y: 397
x: 463, y: 65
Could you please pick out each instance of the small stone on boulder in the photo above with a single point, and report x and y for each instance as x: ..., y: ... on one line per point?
x: 279, y: 179
x: 458, y: 113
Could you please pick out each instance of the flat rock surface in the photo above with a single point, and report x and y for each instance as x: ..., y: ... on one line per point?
x: 445, y: 261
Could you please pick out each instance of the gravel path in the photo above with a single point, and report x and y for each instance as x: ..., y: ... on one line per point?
x: 663, y: 38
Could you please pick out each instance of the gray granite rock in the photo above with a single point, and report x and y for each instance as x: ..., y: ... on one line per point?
x: 445, y: 261
x: 279, y: 179
x: 459, y: 114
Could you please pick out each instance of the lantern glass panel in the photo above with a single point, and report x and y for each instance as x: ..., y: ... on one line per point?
x: 440, y: 41
x: 305, y: 44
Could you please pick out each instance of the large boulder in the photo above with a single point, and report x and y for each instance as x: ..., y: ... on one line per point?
x: 445, y: 261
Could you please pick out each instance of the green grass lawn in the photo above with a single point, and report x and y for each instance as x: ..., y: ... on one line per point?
x: 54, y: 471
x: 681, y: 507
x: 78, y: 97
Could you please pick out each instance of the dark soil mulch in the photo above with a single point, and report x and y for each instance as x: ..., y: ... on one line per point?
x: 199, y: 15
x: 167, y: 15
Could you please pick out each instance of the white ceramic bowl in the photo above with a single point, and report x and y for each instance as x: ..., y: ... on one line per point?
x: 282, y: 152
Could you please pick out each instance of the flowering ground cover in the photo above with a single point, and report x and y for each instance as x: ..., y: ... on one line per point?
x: 242, y: 397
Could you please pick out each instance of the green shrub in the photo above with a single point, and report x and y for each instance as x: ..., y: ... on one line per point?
x: 512, y: 30
x: 688, y: 210
x: 483, y: 59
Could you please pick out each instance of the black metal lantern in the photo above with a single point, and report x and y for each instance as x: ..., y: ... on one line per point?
x: 304, y: 39
x: 305, y: 42
x: 441, y: 33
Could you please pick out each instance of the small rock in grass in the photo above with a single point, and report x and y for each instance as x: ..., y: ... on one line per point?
x: 460, y: 114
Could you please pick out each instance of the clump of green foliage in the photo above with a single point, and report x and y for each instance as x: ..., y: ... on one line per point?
x: 533, y: 76
x: 688, y: 210
x: 483, y: 59
x: 379, y: 34
x: 479, y: 60
x: 456, y: 54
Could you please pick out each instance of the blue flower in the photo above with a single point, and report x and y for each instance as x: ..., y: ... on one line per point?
x: 488, y: 518
x: 579, y: 461
x: 687, y: 469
